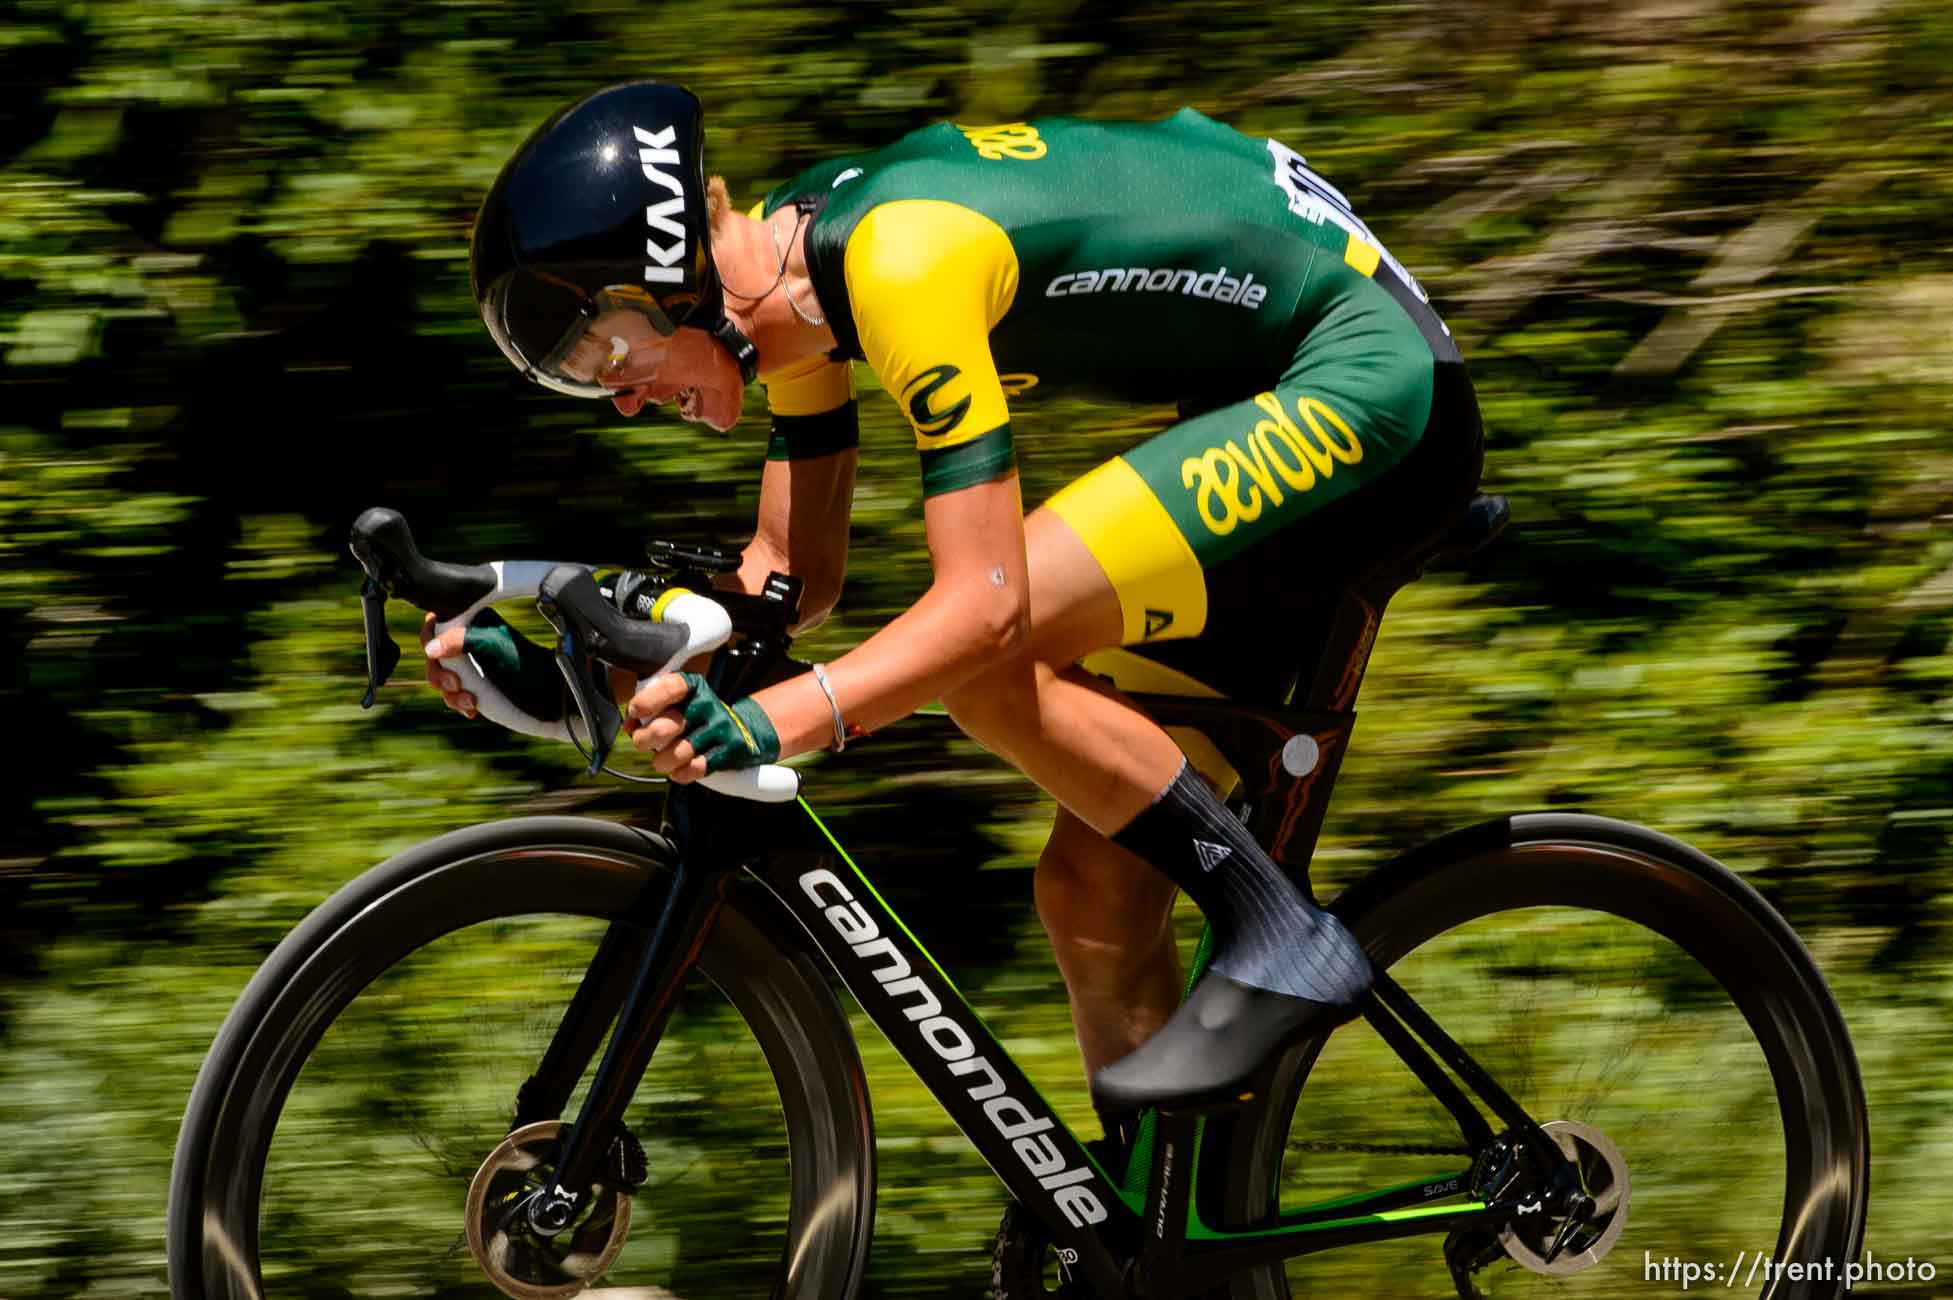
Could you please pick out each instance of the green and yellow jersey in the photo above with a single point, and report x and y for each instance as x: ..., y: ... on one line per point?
x: 1325, y: 409
x: 1167, y: 261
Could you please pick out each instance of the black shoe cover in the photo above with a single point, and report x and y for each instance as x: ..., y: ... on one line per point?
x: 1209, y: 1052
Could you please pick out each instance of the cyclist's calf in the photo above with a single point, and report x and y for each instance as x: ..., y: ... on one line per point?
x: 1110, y: 920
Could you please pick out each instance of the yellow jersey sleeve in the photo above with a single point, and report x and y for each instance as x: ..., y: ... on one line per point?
x: 928, y: 280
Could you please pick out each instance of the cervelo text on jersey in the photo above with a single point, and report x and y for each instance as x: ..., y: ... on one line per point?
x: 670, y: 258
x: 1024, y: 1129
x: 1218, y: 476
x: 1217, y: 285
x: 1315, y: 199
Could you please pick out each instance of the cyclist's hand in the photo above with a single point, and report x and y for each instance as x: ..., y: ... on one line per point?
x: 445, y: 646
x: 519, y: 667
x: 690, y: 732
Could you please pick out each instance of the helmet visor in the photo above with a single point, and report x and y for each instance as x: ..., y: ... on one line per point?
x: 543, y: 325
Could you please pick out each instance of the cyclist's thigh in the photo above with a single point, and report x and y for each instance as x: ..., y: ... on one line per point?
x: 1266, y: 604
x: 1224, y: 525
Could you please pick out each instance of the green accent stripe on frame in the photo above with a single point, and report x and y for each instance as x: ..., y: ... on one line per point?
x: 1204, y: 1233
x: 1317, y: 1207
x: 1427, y: 1211
x: 1203, y: 954
x: 869, y: 885
x: 975, y: 1015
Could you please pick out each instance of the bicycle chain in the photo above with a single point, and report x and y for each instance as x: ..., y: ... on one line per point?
x: 1377, y: 1148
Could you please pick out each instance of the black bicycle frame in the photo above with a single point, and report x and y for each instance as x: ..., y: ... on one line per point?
x: 1156, y: 1246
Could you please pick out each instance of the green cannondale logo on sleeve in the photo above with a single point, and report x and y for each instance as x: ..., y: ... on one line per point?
x: 932, y: 423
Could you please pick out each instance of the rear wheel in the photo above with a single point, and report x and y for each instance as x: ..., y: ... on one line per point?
x: 369, y: 1070
x: 1640, y: 1001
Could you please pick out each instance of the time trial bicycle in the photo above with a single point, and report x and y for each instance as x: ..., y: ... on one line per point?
x: 1587, y: 1040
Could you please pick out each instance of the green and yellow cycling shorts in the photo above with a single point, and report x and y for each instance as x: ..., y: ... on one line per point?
x: 1216, y: 528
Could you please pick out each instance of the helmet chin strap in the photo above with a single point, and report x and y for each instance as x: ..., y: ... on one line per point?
x: 742, y: 349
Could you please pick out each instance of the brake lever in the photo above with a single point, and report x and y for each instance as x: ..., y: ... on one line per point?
x: 599, y: 716
x: 382, y: 655
x: 575, y: 666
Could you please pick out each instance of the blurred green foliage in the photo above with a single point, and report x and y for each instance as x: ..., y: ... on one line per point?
x: 1695, y: 250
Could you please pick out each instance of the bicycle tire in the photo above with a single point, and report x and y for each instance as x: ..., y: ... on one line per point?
x: 493, y: 872
x: 1652, y: 881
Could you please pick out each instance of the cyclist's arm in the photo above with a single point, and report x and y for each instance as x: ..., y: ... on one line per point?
x: 974, y: 615
x: 928, y: 281
x: 807, y: 489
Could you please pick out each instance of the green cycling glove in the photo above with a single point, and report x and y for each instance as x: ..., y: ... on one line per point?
x: 730, y: 736
x: 524, y: 671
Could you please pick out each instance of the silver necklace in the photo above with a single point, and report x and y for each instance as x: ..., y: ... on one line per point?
x: 780, y: 280
x: 786, y: 288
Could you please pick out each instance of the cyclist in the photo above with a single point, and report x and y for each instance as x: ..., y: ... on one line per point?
x: 1327, y: 421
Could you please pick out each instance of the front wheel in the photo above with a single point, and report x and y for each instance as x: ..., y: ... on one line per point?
x: 369, y: 1069
x: 1641, y: 1002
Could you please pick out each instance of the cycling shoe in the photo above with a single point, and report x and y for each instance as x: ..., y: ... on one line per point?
x: 1209, y: 1052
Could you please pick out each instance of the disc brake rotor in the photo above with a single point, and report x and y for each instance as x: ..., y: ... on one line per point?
x: 520, y: 1261
x: 1604, y: 1177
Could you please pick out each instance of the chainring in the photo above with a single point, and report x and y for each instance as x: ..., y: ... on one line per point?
x: 1027, y: 1266
x: 520, y: 1261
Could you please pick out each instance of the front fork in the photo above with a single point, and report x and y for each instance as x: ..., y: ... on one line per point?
x: 691, y: 906
x: 711, y: 844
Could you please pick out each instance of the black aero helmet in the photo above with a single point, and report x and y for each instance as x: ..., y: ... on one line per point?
x: 602, y: 208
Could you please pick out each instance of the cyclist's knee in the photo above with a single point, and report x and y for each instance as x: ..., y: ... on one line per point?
x: 1008, y: 697
x: 994, y: 703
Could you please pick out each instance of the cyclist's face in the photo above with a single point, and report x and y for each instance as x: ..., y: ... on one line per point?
x: 621, y: 351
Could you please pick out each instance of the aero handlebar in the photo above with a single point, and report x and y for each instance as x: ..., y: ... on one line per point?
x: 589, y: 626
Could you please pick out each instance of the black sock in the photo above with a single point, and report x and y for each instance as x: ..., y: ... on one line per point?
x: 1266, y: 933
